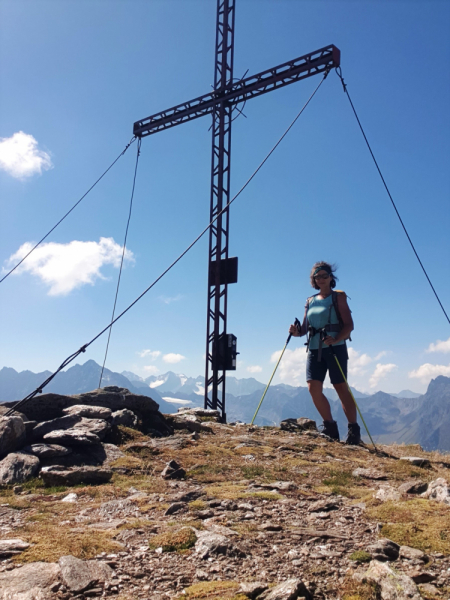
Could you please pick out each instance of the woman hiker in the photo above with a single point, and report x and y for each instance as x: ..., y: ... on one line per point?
x: 328, y: 321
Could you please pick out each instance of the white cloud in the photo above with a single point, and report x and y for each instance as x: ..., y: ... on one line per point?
x: 440, y: 346
x: 151, y: 370
x: 358, y: 362
x: 64, y: 267
x: 427, y: 372
x: 292, y: 366
x: 380, y: 372
x: 170, y: 299
x: 172, y: 358
x: 254, y: 369
x: 152, y: 354
x: 21, y: 157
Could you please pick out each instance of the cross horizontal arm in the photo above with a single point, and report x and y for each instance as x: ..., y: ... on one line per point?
x: 294, y: 70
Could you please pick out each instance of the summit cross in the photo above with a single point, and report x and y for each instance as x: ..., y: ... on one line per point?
x: 225, y: 97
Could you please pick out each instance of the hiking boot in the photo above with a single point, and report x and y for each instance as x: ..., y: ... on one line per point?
x: 330, y: 429
x: 354, y: 434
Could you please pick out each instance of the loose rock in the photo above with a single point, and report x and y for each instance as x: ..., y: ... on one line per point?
x: 72, y: 437
x: 413, y: 487
x: 288, y: 590
x: 394, y: 585
x: 124, y: 417
x: 252, y: 589
x: 438, y: 490
x: 368, y: 473
x: 175, y: 507
x: 12, y: 434
x: 412, y: 553
x: 54, y: 476
x: 79, y: 575
x: 384, y: 549
x: 47, y: 450
x: 12, y: 547
x: 17, y: 467
x: 416, y: 461
x: 91, y: 412
x: 31, y: 582
x: 173, y: 471
x: 209, y: 543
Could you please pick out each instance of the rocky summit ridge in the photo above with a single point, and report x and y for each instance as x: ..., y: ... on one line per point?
x: 102, y: 495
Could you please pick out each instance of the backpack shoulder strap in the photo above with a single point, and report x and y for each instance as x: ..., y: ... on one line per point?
x: 334, y: 297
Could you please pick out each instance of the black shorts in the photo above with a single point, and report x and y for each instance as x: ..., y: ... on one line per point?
x: 317, y: 370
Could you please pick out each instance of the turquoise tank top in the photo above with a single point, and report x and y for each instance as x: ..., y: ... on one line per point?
x: 318, y: 316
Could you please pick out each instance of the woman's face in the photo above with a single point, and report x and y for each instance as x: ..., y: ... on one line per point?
x: 322, y: 279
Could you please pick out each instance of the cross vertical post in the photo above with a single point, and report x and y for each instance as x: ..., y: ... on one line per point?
x: 220, y: 196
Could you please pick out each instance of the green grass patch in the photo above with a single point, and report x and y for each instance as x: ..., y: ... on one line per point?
x: 339, y: 481
x: 360, y: 556
x: 418, y: 523
x: 174, y: 541
x: 219, y: 590
x: 252, y: 471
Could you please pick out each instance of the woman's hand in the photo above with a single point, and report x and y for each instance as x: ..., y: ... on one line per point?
x: 329, y: 340
x: 294, y: 331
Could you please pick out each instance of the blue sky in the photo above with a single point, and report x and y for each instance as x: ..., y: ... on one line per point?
x: 76, y: 75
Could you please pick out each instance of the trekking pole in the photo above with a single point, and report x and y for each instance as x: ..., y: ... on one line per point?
x: 351, y: 394
x: 297, y: 324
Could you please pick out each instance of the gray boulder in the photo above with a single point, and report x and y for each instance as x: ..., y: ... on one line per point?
x: 173, y: 471
x: 33, y: 581
x: 117, y: 398
x: 438, y: 490
x: 79, y: 575
x: 55, y: 476
x: 413, y: 487
x: 12, y: 547
x: 412, y: 553
x: 384, y: 549
x: 394, y: 585
x: 17, y: 467
x: 94, y: 455
x: 209, y: 544
x: 417, y: 461
x: 91, y: 412
x: 99, y: 427
x: 211, y: 414
x: 252, y: 589
x: 72, y: 437
x: 51, y: 406
x: 124, y: 417
x: 288, y: 590
x: 298, y: 425
x: 12, y: 434
x: 47, y: 450
x: 60, y: 424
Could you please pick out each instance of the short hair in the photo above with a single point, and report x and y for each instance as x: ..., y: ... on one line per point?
x: 332, y: 269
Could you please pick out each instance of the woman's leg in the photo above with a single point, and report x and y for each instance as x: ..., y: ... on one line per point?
x: 320, y: 401
x: 347, y: 402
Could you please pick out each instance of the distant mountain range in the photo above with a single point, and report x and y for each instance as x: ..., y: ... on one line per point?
x: 405, y: 417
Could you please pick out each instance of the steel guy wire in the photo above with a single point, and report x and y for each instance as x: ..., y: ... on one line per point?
x: 123, y: 256
x: 344, y: 85
x: 69, y: 211
x: 83, y: 348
